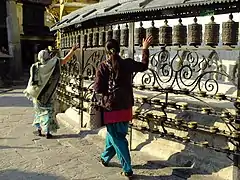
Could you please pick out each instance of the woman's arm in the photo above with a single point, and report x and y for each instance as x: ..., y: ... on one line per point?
x: 70, y: 54
x: 142, y: 66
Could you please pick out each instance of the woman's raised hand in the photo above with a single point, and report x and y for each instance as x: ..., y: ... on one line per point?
x: 75, y: 46
x: 147, y: 42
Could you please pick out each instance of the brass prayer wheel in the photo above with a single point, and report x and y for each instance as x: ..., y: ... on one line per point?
x: 230, y: 32
x: 140, y: 34
x: 154, y: 32
x: 180, y: 34
x: 90, y: 39
x: 102, y: 37
x: 84, y: 39
x: 78, y: 40
x: 165, y: 34
x: 109, y: 35
x: 67, y: 40
x: 62, y: 41
x: 117, y: 34
x: 211, y: 35
x: 96, y: 38
x: 71, y: 39
x: 195, y: 33
x: 125, y: 36
x: 74, y: 38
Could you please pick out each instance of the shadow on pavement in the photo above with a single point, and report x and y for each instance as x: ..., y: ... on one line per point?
x: 79, y: 135
x: 16, y: 147
x: 14, y: 174
x: 14, y: 101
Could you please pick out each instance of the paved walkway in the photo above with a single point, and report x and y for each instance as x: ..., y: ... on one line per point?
x: 67, y: 157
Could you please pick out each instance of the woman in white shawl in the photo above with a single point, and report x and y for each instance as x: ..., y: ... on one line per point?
x: 44, y: 77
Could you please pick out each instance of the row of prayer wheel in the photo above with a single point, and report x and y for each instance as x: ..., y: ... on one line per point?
x: 164, y: 36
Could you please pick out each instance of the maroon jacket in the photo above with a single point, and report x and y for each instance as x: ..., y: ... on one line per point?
x: 123, y: 97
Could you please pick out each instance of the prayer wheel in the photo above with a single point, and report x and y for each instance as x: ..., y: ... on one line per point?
x: 154, y: 32
x: 62, y: 42
x: 117, y: 34
x: 211, y: 35
x: 180, y: 34
x: 67, y: 40
x: 74, y: 38
x: 165, y: 34
x: 70, y: 39
x: 96, y: 38
x: 109, y: 35
x: 78, y: 40
x: 195, y: 33
x: 140, y: 34
x: 84, y: 39
x: 125, y: 36
x: 90, y: 39
x: 102, y: 37
x: 230, y: 32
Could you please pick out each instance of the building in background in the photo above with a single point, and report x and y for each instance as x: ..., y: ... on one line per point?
x: 23, y: 32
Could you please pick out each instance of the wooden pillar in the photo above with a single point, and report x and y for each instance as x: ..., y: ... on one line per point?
x: 14, y: 44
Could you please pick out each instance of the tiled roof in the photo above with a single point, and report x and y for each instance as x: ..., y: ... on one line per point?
x: 119, y: 7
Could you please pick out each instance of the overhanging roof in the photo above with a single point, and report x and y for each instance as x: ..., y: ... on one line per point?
x: 120, y: 7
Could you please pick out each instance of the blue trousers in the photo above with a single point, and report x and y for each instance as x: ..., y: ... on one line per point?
x: 116, y: 143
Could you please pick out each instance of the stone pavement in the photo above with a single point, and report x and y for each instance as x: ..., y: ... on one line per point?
x: 69, y: 156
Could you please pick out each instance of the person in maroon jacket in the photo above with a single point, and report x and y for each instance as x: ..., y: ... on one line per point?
x: 114, y: 82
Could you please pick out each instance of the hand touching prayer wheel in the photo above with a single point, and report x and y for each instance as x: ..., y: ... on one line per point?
x: 140, y: 34
x: 154, y: 32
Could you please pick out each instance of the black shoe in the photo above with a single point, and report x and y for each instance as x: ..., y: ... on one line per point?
x: 127, y: 174
x: 49, y: 136
x: 103, y: 163
x: 38, y: 133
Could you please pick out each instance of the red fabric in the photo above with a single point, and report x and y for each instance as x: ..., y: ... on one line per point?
x: 118, y: 116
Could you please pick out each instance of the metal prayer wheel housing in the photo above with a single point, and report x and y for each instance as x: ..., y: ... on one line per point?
x: 230, y: 32
x: 211, y: 35
x: 117, y: 34
x: 125, y: 36
x: 90, y: 39
x: 70, y: 39
x: 154, y: 32
x: 195, y: 33
x: 109, y: 34
x: 67, y: 40
x: 74, y: 38
x: 140, y: 34
x: 180, y: 34
x: 96, y: 38
x: 84, y: 39
x: 102, y: 37
x: 78, y: 40
x: 165, y: 34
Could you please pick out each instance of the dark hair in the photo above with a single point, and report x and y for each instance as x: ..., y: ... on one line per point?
x: 113, y: 49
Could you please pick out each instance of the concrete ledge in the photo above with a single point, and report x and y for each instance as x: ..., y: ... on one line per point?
x: 177, y: 154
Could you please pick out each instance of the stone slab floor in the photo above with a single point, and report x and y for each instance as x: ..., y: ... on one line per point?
x: 67, y: 157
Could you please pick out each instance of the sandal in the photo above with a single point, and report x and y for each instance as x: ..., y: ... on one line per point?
x: 127, y: 174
